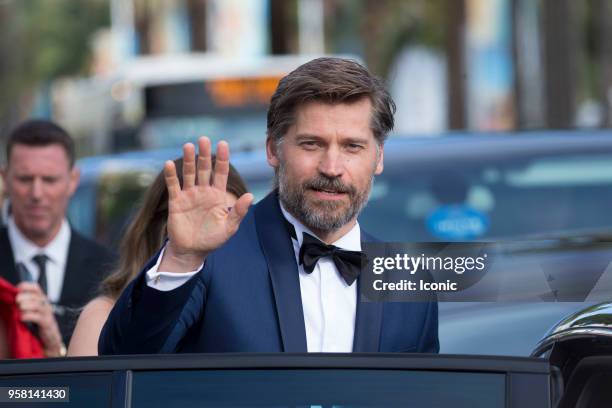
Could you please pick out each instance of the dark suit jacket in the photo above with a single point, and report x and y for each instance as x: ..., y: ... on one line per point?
x: 86, y: 265
x: 247, y: 299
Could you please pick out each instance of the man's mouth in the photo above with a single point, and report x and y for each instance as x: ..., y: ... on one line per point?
x: 328, y: 193
x: 36, y: 211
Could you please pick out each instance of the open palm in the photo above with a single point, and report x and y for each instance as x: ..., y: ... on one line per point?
x: 198, y: 218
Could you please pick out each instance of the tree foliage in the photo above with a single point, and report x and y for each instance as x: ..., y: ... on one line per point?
x: 379, y: 29
x: 45, y: 39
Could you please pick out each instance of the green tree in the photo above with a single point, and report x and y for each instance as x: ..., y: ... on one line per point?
x: 379, y: 29
x: 42, y: 40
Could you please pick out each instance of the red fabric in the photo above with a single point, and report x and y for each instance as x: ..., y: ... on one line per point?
x: 22, y: 343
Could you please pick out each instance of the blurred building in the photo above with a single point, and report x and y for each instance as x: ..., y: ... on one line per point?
x: 476, y: 65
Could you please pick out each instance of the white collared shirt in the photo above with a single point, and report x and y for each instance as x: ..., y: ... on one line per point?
x: 56, y: 251
x: 329, y: 304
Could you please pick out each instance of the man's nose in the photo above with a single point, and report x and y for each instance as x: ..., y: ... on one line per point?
x: 37, y: 189
x: 331, y: 164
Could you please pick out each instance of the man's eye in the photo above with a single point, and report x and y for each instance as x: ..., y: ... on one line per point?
x: 354, y: 147
x: 50, y: 180
x: 309, y: 144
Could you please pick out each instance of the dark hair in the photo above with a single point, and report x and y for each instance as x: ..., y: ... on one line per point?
x: 330, y: 80
x: 40, y: 133
x: 147, y: 231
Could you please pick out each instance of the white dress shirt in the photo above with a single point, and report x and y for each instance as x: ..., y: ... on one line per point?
x: 56, y: 251
x: 329, y: 304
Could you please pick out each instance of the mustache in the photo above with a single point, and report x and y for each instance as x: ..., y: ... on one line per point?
x: 329, y: 184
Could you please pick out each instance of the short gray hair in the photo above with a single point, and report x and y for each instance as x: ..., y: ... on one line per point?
x: 331, y: 80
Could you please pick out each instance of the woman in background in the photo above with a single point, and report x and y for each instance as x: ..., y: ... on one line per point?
x: 143, y: 238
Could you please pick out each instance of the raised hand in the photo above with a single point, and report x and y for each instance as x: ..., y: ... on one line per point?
x: 198, y: 218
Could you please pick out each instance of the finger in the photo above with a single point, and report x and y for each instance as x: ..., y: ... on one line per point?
x: 32, y: 317
x: 32, y: 308
x: 221, y: 166
x: 41, y: 305
x: 204, y: 161
x: 189, y: 166
x: 240, y: 209
x: 25, y: 297
x: 172, y: 183
x: 29, y: 287
x: 31, y: 297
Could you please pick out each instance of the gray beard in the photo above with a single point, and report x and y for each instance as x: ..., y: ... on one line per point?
x: 324, y: 216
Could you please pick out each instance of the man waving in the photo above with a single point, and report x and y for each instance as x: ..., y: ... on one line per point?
x: 282, y: 275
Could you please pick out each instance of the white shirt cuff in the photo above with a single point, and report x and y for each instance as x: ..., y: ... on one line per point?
x: 167, y: 281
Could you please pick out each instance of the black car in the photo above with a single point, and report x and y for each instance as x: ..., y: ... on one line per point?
x: 281, y: 380
x: 570, y: 367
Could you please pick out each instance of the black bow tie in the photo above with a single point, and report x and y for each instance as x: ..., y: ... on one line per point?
x: 347, y: 262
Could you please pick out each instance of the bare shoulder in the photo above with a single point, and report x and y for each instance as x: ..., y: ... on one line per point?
x: 84, y: 340
x: 99, y: 305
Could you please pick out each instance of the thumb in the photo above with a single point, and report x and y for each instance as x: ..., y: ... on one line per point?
x: 240, y: 209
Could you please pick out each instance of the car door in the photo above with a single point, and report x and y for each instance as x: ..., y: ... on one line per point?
x: 287, y: 380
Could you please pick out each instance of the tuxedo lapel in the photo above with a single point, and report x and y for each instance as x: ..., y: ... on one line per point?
x: 278, y: 250
x: 368, y: 320
x: 7, y: 260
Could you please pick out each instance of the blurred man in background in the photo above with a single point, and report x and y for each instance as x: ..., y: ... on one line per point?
x: 55, y: 268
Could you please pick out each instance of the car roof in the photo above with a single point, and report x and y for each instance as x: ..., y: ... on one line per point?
x: 594, y: 321
x: 499, y: 145
x: 394, y: 361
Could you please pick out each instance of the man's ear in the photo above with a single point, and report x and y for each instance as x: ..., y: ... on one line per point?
x: 272, y: 152
x: 75, y: 177
x: 379, y: 160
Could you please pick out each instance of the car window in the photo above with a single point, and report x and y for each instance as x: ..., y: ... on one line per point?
x: 103, y: 207
x: 84, y: 389
x: 82, y: 208
x: 497, y: 200
x: 421, y: 202
x: 119, y: 198
x: 245, y: 130
x: 318, y: 388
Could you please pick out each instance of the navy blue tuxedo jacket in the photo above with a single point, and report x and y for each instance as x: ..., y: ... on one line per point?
x: 247, y: 299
